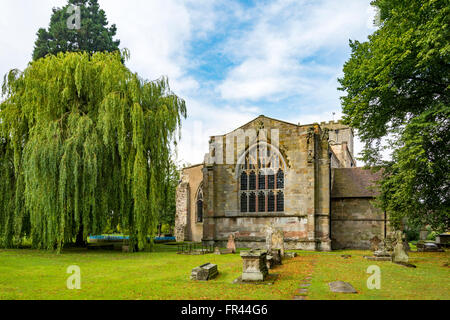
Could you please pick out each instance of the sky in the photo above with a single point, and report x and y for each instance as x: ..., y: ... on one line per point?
x: 230, y: 60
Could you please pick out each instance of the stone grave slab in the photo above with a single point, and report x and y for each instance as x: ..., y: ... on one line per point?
x: 341, y: 287
x: 205, y: 272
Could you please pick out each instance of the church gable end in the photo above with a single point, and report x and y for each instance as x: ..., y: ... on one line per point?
x: 273, y: 173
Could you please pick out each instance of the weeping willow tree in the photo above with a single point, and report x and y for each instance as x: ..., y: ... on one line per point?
x: 83, y: 142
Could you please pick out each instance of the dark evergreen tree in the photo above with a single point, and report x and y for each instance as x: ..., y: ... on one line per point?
x: 94, y: 34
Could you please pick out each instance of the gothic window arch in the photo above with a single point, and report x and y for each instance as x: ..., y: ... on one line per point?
x: 262, y: 181
x: 199, y: 205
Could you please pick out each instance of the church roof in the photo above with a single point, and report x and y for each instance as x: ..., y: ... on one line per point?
x: 354, y: 183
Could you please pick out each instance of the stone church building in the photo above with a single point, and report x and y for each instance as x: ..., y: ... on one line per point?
x: 301, y: 179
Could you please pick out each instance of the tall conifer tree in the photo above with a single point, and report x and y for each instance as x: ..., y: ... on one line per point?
x: 94, y: 34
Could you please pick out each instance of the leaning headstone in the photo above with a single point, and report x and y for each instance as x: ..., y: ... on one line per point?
x: 374, y: 243
x: 205, y: 272
x: 341, y: 287
x: 406, y: 246
x: 400, y: 254
x: 254, y: 265
x: 231, y: 245
x: 423, y: 234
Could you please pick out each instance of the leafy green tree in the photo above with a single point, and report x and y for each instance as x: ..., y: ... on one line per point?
x: 397, y: 88
x: 167, y: 205
x: 93, y: 36
x: 83, y: 142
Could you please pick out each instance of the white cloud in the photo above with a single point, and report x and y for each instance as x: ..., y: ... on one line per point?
x: 206, y: 120
x: 19, y: 23
x: 286, y: 32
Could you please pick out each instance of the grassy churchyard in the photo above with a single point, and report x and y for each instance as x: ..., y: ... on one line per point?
x: 163, y: 274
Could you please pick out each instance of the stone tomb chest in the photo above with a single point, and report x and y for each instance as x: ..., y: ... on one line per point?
x: 254, y: 267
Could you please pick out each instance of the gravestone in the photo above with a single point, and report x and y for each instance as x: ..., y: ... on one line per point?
x: 341, y: 287
x: 388, y: 244
x: 399, y: 254
x: 269, y: 232
x: 406, y: 246
x: 380, y: 253
x: 274, y: 239
x: 269, y: 262
x: 205, y: 272
x: 428, y: 246
x: 423, y: 234
x: 374, y: 243
x: 276, y: 254
x: 254, y: 265
x: 278, y: 241
x: 443, y: 239
x: 273, y: 258
x: 231, y: 245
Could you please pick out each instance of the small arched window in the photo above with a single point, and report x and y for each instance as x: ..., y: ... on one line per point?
x: 199, y: 203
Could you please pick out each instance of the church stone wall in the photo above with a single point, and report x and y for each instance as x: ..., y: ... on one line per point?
x: 307, y: 179
x: 186, y: 226
x: 354, y: 221
x: 182, y: 203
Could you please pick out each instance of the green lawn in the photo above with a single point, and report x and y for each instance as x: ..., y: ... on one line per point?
x: 31, y: 274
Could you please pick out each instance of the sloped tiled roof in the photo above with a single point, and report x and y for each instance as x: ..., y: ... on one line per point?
x: 354, y: 183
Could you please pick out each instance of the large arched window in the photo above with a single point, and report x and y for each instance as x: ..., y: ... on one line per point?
x: 199, y: 205
x: 262, y: 182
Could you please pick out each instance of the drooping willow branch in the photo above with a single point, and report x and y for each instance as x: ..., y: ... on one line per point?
x: 82, y: 143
